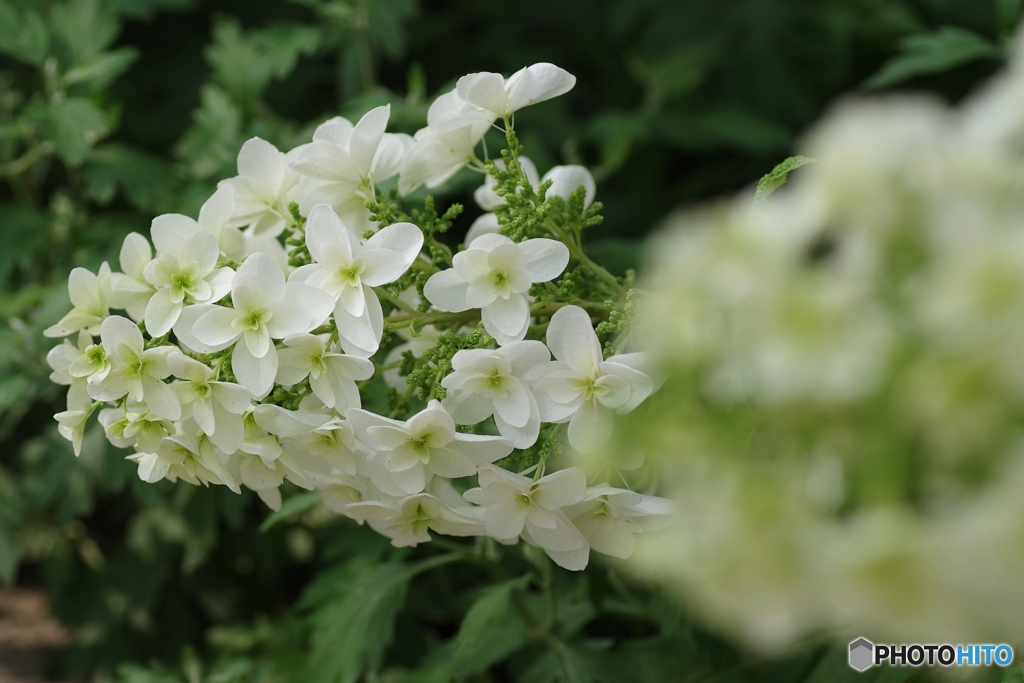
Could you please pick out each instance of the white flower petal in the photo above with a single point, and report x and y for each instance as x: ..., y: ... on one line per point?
x: 260, y: 163
x: 545, y: 259
x: 590, y: 428
x: 255, y: 374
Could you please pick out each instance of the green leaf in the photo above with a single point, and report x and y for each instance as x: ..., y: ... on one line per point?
x: 933, y: 53
x: 778, y: 176
x: 490, y: 632
x: 1008, y: 12
x: 245, y: 62
x: 292, y: 507
x: 834, y: 667
x: 73, y: 126
x: 146, y: 181
x: 210, y: 146
x: 354, y: 608
x: 23, y: 36
x: 22, y: 231
x: 83, y: 28
x: 100, y: 70
x: 583, y: 662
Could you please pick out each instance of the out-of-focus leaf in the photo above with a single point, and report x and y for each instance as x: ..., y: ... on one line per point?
x: 291, y: 507
x: 24, y: 35
x: 146, y: 9
x: 83, y: 28
x: 583, y: 662
x: 834, y: 667
x: 932, y: 53
x: 244, y: 62
x: 489, y: 633
x: 73, y: 126
x: 22, y: 231
x: 778, y: 176
x: 353, y: 610
x: 146, y: 180
x: 1009, y: 12
x: 210, y: 146
x: 100, y: 70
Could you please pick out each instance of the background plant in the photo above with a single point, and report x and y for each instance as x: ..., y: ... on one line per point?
x: 112, y: 112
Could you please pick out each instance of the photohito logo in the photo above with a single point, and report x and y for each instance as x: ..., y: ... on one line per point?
x: 864, y: 654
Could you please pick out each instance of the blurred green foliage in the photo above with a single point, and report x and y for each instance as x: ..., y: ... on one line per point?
x: 114, y: 111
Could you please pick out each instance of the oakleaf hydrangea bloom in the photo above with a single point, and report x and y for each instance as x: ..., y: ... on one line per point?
x: 263, y: 188
x: 495, y: 274
x: 217, y: 407
x: 348, y: 271
x: 425, y: 445
x: 407, y: 520
x: 348, y: 161
x: 184, y: 270
x: 445, y: 146
x: 256, y: 333
x: 265, y: 307
x: 135, y: 370
x: 519, y: 506
x: 332, y: 376
x: 582, y: 388
x: 130, y: 290
x: 499, y: 97
x: 90, y: 295
x: 498, y: 382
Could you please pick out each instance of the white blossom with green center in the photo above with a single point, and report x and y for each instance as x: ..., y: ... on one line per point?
x: 495, y: 275
x: 135, y: 370
x: 184, y: 271
x: 498, y: 382
x: 424, y: 446
x: 520, y: 506
x: 265, y: 307
x: 582, y: 388
x: 90, y: 297
x: 348, y: 271
x: 332, y: 376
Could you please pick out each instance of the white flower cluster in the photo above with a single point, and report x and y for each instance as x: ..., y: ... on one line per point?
x: 231, y: 367
x: 847, y: 393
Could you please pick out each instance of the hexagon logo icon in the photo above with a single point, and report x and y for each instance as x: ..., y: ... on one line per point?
x: 862, y: 653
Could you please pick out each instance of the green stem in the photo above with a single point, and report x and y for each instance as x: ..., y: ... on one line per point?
x: 394, y: 301
x: 16, y: 167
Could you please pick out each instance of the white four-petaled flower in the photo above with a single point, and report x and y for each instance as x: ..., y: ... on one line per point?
x: 495, y: 274
x: 498, y: 382
x: 582, y: 388
x: 265, y: 308
x: 348, y: 271
x: 425, y: 445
